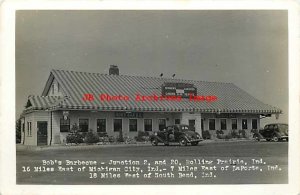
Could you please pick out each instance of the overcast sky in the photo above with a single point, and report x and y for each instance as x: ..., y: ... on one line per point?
x: 247, y: 48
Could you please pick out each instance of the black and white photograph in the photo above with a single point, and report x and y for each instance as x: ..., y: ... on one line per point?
x: 152, y: 97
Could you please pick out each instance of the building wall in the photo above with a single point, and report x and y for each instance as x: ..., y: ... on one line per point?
x: 239, y: 118
x: 60, y: 137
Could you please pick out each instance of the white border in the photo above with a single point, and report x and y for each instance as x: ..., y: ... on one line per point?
x: 7, y: 84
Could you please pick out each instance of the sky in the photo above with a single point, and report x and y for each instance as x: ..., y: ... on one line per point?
x: 247, y: 48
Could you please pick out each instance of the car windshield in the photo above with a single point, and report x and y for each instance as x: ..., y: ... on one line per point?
x: 184, y: 128
x: 283, y: 127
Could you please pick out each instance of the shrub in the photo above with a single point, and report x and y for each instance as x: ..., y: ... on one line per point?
x: 242, y: 133
x: 120, y: 138
x: 142, y: 136
x: 74, y: 137
x: 228, y: 136
x: 220, y: 134
x: 91, y: 137
x: 234, y: 134
x: 206, y: 135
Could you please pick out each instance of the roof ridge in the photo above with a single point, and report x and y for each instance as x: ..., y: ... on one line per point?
x: 152, y: 77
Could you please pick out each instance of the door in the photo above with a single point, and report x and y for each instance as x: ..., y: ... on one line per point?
x: 192, y: 125
x: 42, y: 133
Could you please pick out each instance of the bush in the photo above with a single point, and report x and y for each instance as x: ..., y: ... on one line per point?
x: 220, y: 134
x: 206, y: 135
x: 242, y: 133
x: 74, y: 137
x: 91, y: 138
x: 18, y: 131
x: 120, y: 138
x: 142, y: 136
x: 228, y: 136
x: 234, y: 134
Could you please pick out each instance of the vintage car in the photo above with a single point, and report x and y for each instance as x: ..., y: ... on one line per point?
x: 275, y: 132
x: 176, y: 133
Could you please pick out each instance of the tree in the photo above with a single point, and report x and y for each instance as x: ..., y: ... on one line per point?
x: 18, y: 131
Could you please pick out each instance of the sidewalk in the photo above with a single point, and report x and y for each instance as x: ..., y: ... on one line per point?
x: 21, y: 147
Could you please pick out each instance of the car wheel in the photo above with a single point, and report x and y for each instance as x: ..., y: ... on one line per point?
x: 182, y: 142
x: 194, y: 143
x: 154, y: 142
x: 275, y: 139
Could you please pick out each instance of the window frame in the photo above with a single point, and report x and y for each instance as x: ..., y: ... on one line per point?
x: 65, y: 125
x: 88, y: 124
x: 214, y: 124
x: 232, y: 124
x: 221, y: 123
x: 151, y: 124
x: 175, y: 121
x: 243, y: 124
x: 136, y: 124
x: 159, y: 124
x: 256, y: 123
x: 113, y: 125
x: 97, y: 125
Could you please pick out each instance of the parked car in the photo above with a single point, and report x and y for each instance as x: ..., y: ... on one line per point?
x: 275, y: 131
x: 176, y: 133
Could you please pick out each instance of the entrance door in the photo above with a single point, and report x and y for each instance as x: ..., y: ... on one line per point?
x: 192, y: 125
x: 41, y: 133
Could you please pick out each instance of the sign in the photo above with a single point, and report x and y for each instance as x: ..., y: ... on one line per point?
x: 66, y: 115
x: 226, y: 115
x: 128, y: 114
x: 179, y: 89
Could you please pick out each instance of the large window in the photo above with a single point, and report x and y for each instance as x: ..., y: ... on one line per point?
x: 177, y: 121
x: 254, y: 123
x: 244, y: 124
x: 64, y: 125
x: 132, y: 124
x: 223, y: 124
x: 234, y: 124
x: 29, y: 129
x: 161, y: 124
x: 84, y: 125
x: 117, y: 125
x: 211, y: 124
x: 101, y: 125
x: 148, y: 124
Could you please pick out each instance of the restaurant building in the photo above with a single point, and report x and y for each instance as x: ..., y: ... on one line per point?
x: 112, y: 102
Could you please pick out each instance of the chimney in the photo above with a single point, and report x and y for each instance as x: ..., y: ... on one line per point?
x: 113, y: 70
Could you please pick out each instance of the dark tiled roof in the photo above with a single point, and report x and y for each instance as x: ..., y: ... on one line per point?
x: 76, y: 84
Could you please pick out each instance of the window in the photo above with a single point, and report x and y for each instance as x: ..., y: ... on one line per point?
x: 192, y: 125
x: 101, y: 125
x: 223, y: 124
x: 202, y: 124
x: 29, y: 133
x: 161, y: 124
x: 234, y: 124
x: 84, y: 125
x: 117, y: 125
x: 211, y: 124
x: 177, y: 121
x: 148, y: 124
x: 254, y: 123
x: 64, y: 125
x: 244, y: 124
x: 132, y: 124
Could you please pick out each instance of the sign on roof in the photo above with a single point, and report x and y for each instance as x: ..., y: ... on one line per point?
x: 178, y: 89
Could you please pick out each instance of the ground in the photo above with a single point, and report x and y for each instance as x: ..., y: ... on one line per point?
x: 269, y: 159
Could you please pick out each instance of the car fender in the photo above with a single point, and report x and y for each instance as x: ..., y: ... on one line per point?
x: 156, y: 137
